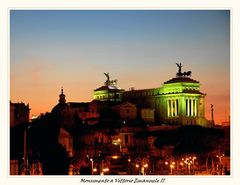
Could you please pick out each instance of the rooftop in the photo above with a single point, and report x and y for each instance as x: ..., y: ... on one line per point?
x: 108, y: 87
x: 181, y: 79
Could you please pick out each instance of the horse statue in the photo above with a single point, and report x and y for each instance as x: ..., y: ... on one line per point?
x: 188, y: 73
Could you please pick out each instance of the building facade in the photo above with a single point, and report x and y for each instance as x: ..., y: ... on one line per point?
x: 19, y: 114
x: 109, y: 91
x: 178, y: 101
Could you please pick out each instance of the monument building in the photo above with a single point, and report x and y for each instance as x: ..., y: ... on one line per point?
x: 109, y: 91
x: 178, y: 101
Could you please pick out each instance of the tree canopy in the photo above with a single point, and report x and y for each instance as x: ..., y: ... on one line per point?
x: 189, y: 139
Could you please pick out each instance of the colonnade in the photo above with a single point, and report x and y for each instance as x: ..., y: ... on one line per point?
x: 172, y: 108
x: 191, y: 107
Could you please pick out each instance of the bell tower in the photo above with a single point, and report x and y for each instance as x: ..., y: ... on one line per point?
x: 62, y: 96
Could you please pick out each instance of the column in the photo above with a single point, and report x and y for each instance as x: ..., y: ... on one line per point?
x: 168, y: 107
x: 171, y: 107
x: 177, y: 107
x: 191, y: 107
x: 186, y: 107
x: 194, y: 104
x: 196, y: 108
x: 175, y: 101
x: 188, y: 110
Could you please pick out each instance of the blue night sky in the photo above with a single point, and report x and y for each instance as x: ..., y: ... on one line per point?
x: 73, y: 48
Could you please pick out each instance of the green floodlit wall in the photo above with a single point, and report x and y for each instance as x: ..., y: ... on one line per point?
x: 108, y: 95
x: 158, y: 99
x: 181, y: 92
x: 178, y: 87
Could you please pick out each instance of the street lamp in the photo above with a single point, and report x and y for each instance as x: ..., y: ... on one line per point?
x: 145, y: 166
x: 91, y: 159
x: 94, y: 169
x: 120, y: 146
x: 194, y: 158
x: 137, y: 166
x: 188, y: 166
x: 189, y: 161
x: 171, y: 168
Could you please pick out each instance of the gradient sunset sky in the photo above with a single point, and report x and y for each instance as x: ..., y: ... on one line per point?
x: 73, y: 48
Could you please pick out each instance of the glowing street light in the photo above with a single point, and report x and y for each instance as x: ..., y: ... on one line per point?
x: 91, y: 164
x: 120, y: 145
x: 115, y: 157
x: 171, y: 168
x: 105, y: 169
x: 171, y: 165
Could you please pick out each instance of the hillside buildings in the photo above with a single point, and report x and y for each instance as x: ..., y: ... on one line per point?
x: 116, y: 123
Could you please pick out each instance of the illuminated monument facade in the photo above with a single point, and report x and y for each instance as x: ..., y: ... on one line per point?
x: 177, y: 102
x: 109, y: 91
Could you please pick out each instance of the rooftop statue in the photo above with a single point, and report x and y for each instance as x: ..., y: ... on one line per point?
x: 179, y: 68
x: 108, y: 81
x: 108, y: 77
x: 184, y: 74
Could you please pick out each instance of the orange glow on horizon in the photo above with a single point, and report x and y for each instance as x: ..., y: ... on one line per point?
x: 42, y: 90
x: 42, y: 100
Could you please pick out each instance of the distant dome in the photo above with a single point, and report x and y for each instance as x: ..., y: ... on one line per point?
x: 62, y: 113
x: 61, y: 109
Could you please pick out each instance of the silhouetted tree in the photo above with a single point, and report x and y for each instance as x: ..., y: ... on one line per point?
x: 190, y: 139
x: 43, y: 136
